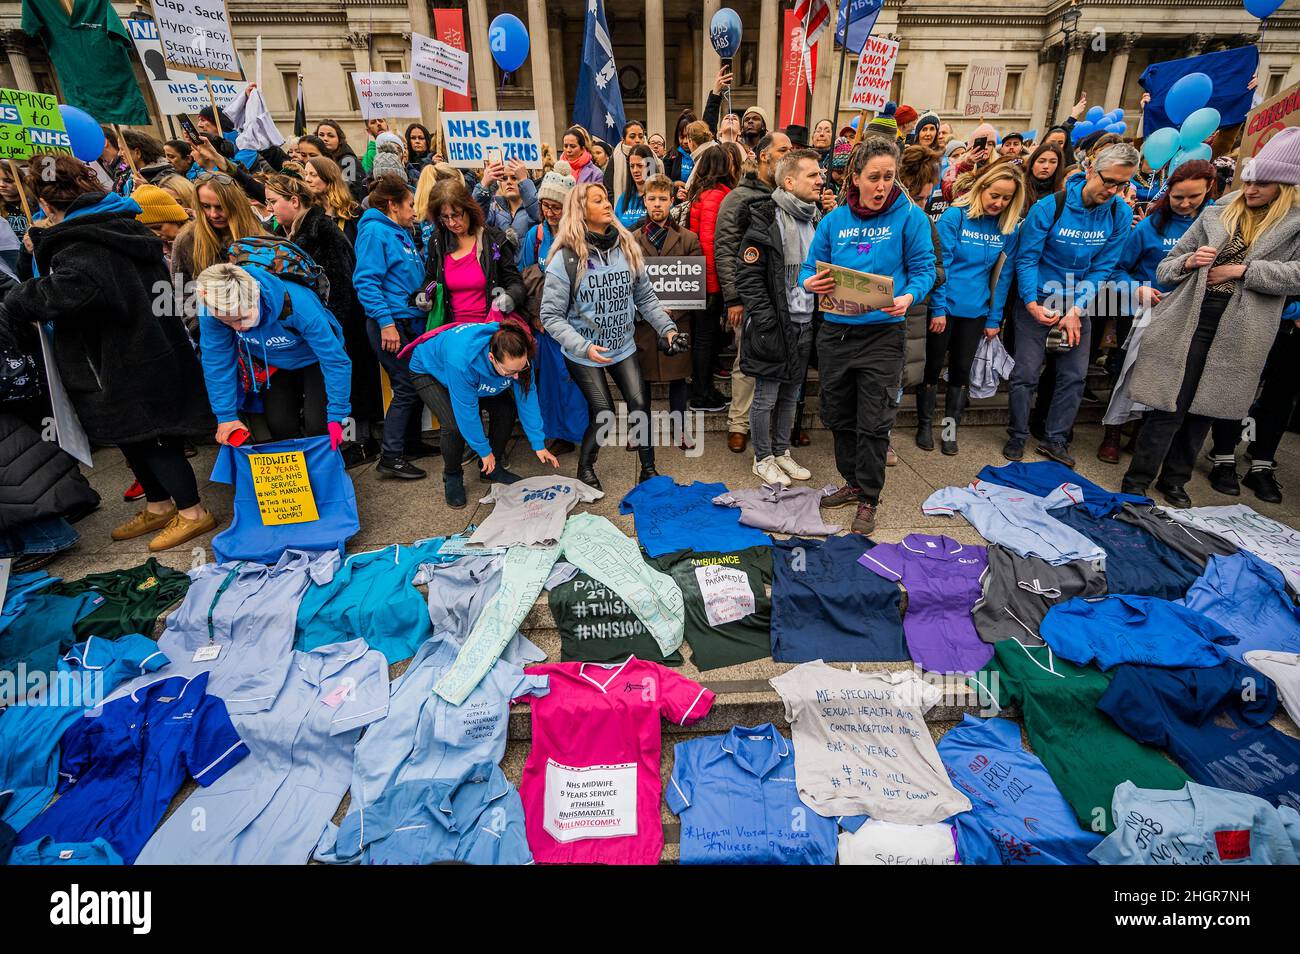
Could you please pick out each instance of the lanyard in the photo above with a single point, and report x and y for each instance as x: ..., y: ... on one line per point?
x: 225, y: 584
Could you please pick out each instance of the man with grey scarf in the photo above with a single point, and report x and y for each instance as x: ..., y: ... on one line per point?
x: 778, y: 328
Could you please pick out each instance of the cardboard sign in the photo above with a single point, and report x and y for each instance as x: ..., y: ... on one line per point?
x: 679, y: 281
x: 385, y: 94
x: 984, y: 88
x: 517, y: 133
x: 183, y: 93
x: 875, y: 73
x: 283, y: 488
x: 856, y: 293
x: 195, y: 37
x: 439, y: 64
x: 1264, y: 122
x: 31, y: 123
x: 593, y: 801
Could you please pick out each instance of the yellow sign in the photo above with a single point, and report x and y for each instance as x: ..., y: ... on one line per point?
x: 283, y: 488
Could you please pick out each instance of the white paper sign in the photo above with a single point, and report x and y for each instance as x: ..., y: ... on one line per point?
x: 196, y: 38
x: 595, y: 801
x: 385, y: 94
x: 726, y: 593
x: 180, y: 92
x: 984, y: 88
x: 439, y: 64
x: 517, y: 133
x: 875, y: 73
x: 67, y: 426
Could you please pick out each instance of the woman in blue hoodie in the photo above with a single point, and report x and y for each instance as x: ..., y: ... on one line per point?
x: 457, y: 367
x: 274, y: 339
x: 860, y: 356
x: 975, y: 233
x: 389, y: 273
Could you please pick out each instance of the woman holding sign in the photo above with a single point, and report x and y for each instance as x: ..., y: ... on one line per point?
x: 596, y: 283
x: 860, y: 356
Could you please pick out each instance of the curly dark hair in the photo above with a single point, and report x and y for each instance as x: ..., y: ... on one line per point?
x: 58, y: 181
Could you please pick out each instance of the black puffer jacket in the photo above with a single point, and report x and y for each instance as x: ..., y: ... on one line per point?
x: 496, y: 257
x: 767, y: 344
x: 37, y: 480
x: 131, y: 374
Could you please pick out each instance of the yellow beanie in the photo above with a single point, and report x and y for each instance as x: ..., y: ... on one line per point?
x: 157, y: 205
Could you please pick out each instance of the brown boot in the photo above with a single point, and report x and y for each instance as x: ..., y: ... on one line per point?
x: 1108, y: 452
x: 179, y: 530
x: 142, y: 523
x: 864, y: 521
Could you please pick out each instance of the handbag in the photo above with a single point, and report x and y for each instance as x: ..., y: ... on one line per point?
x: 20, y: 378
x: 438, y: 309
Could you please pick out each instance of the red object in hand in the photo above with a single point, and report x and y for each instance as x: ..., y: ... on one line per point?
x: 238, y: 438
x: 336, y: 434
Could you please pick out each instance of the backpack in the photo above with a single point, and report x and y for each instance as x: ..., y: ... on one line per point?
x: 282, y: 258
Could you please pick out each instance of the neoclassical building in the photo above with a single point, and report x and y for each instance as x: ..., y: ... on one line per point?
x: 666, y: 63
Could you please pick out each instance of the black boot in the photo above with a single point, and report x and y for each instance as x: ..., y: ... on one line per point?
x: 954, y: 404
x: 587, y: 475
x: 1224, y: 479
x: 1263, y: 480
x: 926, y: 395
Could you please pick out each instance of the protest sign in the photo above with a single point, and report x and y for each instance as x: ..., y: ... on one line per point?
x: 385, y: 94
x: 31, y: 123
x: 517, y: 133
x: 195, y: 37
x: 984, y: 88
x: 439, y: 64
x: 678, y: 280
x: 1265, y: 121
x: 183, y: 93
x: 71, y: 436
x: 875, y: 73
x: 283, y: 488
x: 856, y: 293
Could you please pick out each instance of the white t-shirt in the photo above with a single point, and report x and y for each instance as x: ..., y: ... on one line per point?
x: 1284, y: 670
x: 884, y: 843
x: 1269, y: 540
x: 861, y: 745
x: 531, y: 511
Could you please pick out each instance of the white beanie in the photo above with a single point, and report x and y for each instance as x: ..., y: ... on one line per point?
x: 558, y: 183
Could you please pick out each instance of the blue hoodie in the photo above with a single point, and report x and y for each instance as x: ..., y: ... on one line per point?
x: 458, y: 357
x: 970, y: 251
x: 1084, y: 244
x: 895, y: 243
x: 389, y: 268
x: 1146, y: 248
x: 109, y: 203
x: 308, y: 335
x: 532, y: 252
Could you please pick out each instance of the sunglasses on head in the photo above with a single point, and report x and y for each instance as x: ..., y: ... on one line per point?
x: 215, y: 177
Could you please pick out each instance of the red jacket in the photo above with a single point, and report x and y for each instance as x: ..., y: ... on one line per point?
x: 704, y: 221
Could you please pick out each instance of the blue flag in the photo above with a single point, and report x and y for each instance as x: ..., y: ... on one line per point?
x: 856, y: 20
x: 1231, y: 70
x: 598, y: 105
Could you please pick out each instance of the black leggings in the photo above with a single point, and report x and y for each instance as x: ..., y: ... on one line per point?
x: 957, y: 343
x: 594, y: 386
x: 294, y: 404
x: 1273, y: 409
x: 706, y: 345
x: 501, y: 421
x: 162, y: 470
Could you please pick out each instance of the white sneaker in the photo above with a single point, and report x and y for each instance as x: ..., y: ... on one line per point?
x: 769, y: 472
x: 792, y: 468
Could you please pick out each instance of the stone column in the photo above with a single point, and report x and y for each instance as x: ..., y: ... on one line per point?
x: 769, y: 53
x: 1196, y: 43
x: 1073, y: 69
x: 540, y: 55
x: 1118, y: 70
x: 559, y: 93
x: 16, y: 49
x: 360, y: 43
x: 1044, y: 82
x: 485, y: 83
x: 823, y: 94
x: 656, y: 82
x: 422, y: 22
x: 709, y: 61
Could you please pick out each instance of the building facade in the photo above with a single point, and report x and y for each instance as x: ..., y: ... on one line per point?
x: 666, y: 63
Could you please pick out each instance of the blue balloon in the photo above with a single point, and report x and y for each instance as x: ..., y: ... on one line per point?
x: 1198, y: 127
x: 724, y: 33
x: 1117, y: 112
x: 1188, y: 95
x: 508, y: 41
x: 1263, y: 8
x: 1186, y: 155
x: 86, y: 137
x: 1160, y: 146
x: 1117, y: 128
x: 1095, y: 113
x: 1082, y: 129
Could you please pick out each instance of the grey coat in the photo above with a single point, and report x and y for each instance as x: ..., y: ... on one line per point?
x: 732, y: 224
x: 1246, y: 331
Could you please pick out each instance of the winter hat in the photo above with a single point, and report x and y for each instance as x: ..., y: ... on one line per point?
x: 905, y: 114
x: 884, y: 125
x: 761, y: 112
x: 927, y: 119
x: 953, y: 146
x: 1278, y: 161
x: 840, y: 153
x: 157, y: 205
x: 798, y: 135
x: 392, y: 140
x: 388, y: 164
x: 986, y: 131
x: 1013, y: 135
x: 558, y: 183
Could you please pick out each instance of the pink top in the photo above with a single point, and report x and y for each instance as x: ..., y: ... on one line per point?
x: 466, y: 286
x: 591, y: 784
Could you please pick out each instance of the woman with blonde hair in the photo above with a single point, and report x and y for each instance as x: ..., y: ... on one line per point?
x: 1210, y: 337
x: 596, y: 283
x: 325, y: 179
x: 975, y: 234
x: 224, y: 215
x: 183, y: 191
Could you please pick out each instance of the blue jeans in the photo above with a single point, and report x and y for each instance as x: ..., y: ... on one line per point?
x: 406, y: 401
x: 1071, y: 372
x: 41, y: 536
x: 772, y: 436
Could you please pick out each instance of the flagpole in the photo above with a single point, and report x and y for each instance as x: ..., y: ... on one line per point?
x: 798, y: 82
x: 839, y: 83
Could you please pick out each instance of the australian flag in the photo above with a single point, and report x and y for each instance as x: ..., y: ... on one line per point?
x: 856, y: 20
x: 598, y: 105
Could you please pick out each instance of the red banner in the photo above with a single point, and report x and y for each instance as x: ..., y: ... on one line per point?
x: 796, y: 67
x: 449, y: 27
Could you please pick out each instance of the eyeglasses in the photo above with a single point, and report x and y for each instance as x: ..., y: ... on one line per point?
x: 215, y: 177
x: 510, y: 374
x: 449, y: 217
x: 1112, y: 184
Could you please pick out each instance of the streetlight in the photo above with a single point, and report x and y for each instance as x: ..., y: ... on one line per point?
x: 1069, y: 25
